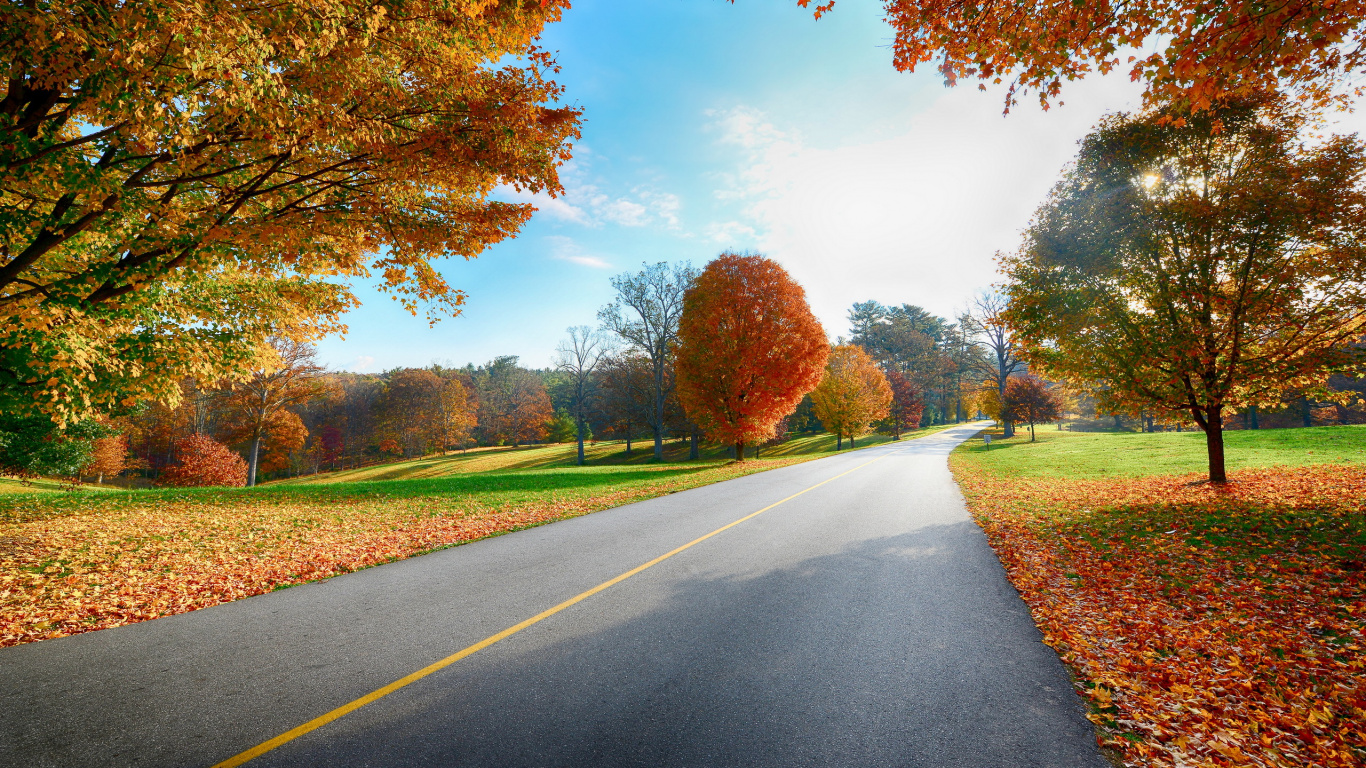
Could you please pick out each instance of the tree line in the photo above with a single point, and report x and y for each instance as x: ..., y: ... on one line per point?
x: 729, y: 354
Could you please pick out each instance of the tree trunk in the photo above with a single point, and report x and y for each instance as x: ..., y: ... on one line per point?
x: 692, y: 449
x: 851, y: 441
x: 758, y: 447
x: 1031, y: 431
x: 739, y: 450
x: 628, y: 441
x: 251, y: 465
x: 580, y: 437
x: 1253, y: 412
x: 839, y: 441
x: 1214, y: 445
x: 1305, y: 412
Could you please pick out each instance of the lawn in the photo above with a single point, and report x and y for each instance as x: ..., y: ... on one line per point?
x: 605, y: 453
x: 1205, y: 625
x: 1139, y: 454
x: 81, y: 560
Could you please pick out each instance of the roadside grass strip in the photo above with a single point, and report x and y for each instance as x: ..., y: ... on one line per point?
x: 76, y: 562
x: 1206, y: 626
x: 322, y: 720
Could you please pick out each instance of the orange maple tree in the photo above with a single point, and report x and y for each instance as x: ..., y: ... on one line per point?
x: 853, y: 393
x: 749, y: 349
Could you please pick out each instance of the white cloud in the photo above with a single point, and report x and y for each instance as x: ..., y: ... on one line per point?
x: 565, y: 249
x: 624, y: 212
x: 557, y: 207
x: 729, y: 233
x: 914, y: 218
x: 363, y: 363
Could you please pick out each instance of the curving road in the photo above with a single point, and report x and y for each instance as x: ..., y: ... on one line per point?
x: 864, y: 622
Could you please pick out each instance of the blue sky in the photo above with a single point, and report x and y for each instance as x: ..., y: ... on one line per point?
x: 710, y: 126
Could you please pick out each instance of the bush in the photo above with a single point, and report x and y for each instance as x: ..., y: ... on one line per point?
x: 205, y: 461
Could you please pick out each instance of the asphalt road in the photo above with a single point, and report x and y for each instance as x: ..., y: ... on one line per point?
x: 863, y: 623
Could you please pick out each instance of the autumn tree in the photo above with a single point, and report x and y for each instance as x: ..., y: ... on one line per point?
x: 180, y: 181
x: 292, y: 379
x: 408, y: 410
x: 645, y: 315
x: 1190, y: 270
x: 513, y: 404
x: 203, y: 461
x: 748, y: 348
x: 109, y: 456
x: 852, y: 393
x: 580, y: 356
x: 906, y: 407
x: 1029, y: 400
x: 456, y: 411
x: 1191, y: 52
x: 987, y: 322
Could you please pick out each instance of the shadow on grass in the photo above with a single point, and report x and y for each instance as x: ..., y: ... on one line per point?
x: 18, y: 508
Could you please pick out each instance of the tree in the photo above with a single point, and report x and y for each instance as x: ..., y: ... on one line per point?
x: 409, y: 410
x: 456, y: 414
x: 1198, y: 53
x: 645, y: 314
x: 180, y: 180
x: 1185, y: 270
x: 748, y: 349
x: 987, y: 322
x: 907, y: 406
x: 1029, y: 400
x: 626, y: 393
x: 513, y: 404
x: 204, y: 461
x: 109, y: 456
x: 33, y: 445
x: 579, y: 357
x: 852, y: 394
x: 293, y: 379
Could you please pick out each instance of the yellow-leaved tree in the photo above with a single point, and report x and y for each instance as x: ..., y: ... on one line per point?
x: 852, y: 394
x: 181, y: 180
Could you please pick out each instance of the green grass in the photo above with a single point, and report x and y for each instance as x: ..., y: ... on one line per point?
x: 562, y: 455
x: 1138, y: 454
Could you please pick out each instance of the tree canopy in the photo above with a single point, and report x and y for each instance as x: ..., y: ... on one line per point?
x: 1194, y: 52
x: 181, y: 178
x: 748, y: 348
x: 852, y: 394
x: 1188, y: 271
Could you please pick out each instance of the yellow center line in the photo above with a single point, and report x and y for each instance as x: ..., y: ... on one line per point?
x: 321, y: 720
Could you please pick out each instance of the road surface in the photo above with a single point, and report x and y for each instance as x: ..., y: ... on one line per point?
x: 864, y: 622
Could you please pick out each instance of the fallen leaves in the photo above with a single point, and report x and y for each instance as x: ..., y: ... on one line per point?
x: 71, y: 565
x: 1207, y: 625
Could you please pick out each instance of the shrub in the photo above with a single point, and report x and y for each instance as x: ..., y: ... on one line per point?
x: 205, y: 461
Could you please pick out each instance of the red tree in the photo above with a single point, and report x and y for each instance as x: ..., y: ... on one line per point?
x: 908, y: 405
x: 1028, y: 400
x: 205, y: 461
x: 748, y: 349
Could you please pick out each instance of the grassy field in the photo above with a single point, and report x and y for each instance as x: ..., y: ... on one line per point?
x: 1211, y: 625
x: 82, y: 560
x: 1139, y: 454
x: 556, y: 455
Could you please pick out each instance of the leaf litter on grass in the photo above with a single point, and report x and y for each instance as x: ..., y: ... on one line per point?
x: 72, y: 563
x: 1207, y: 625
